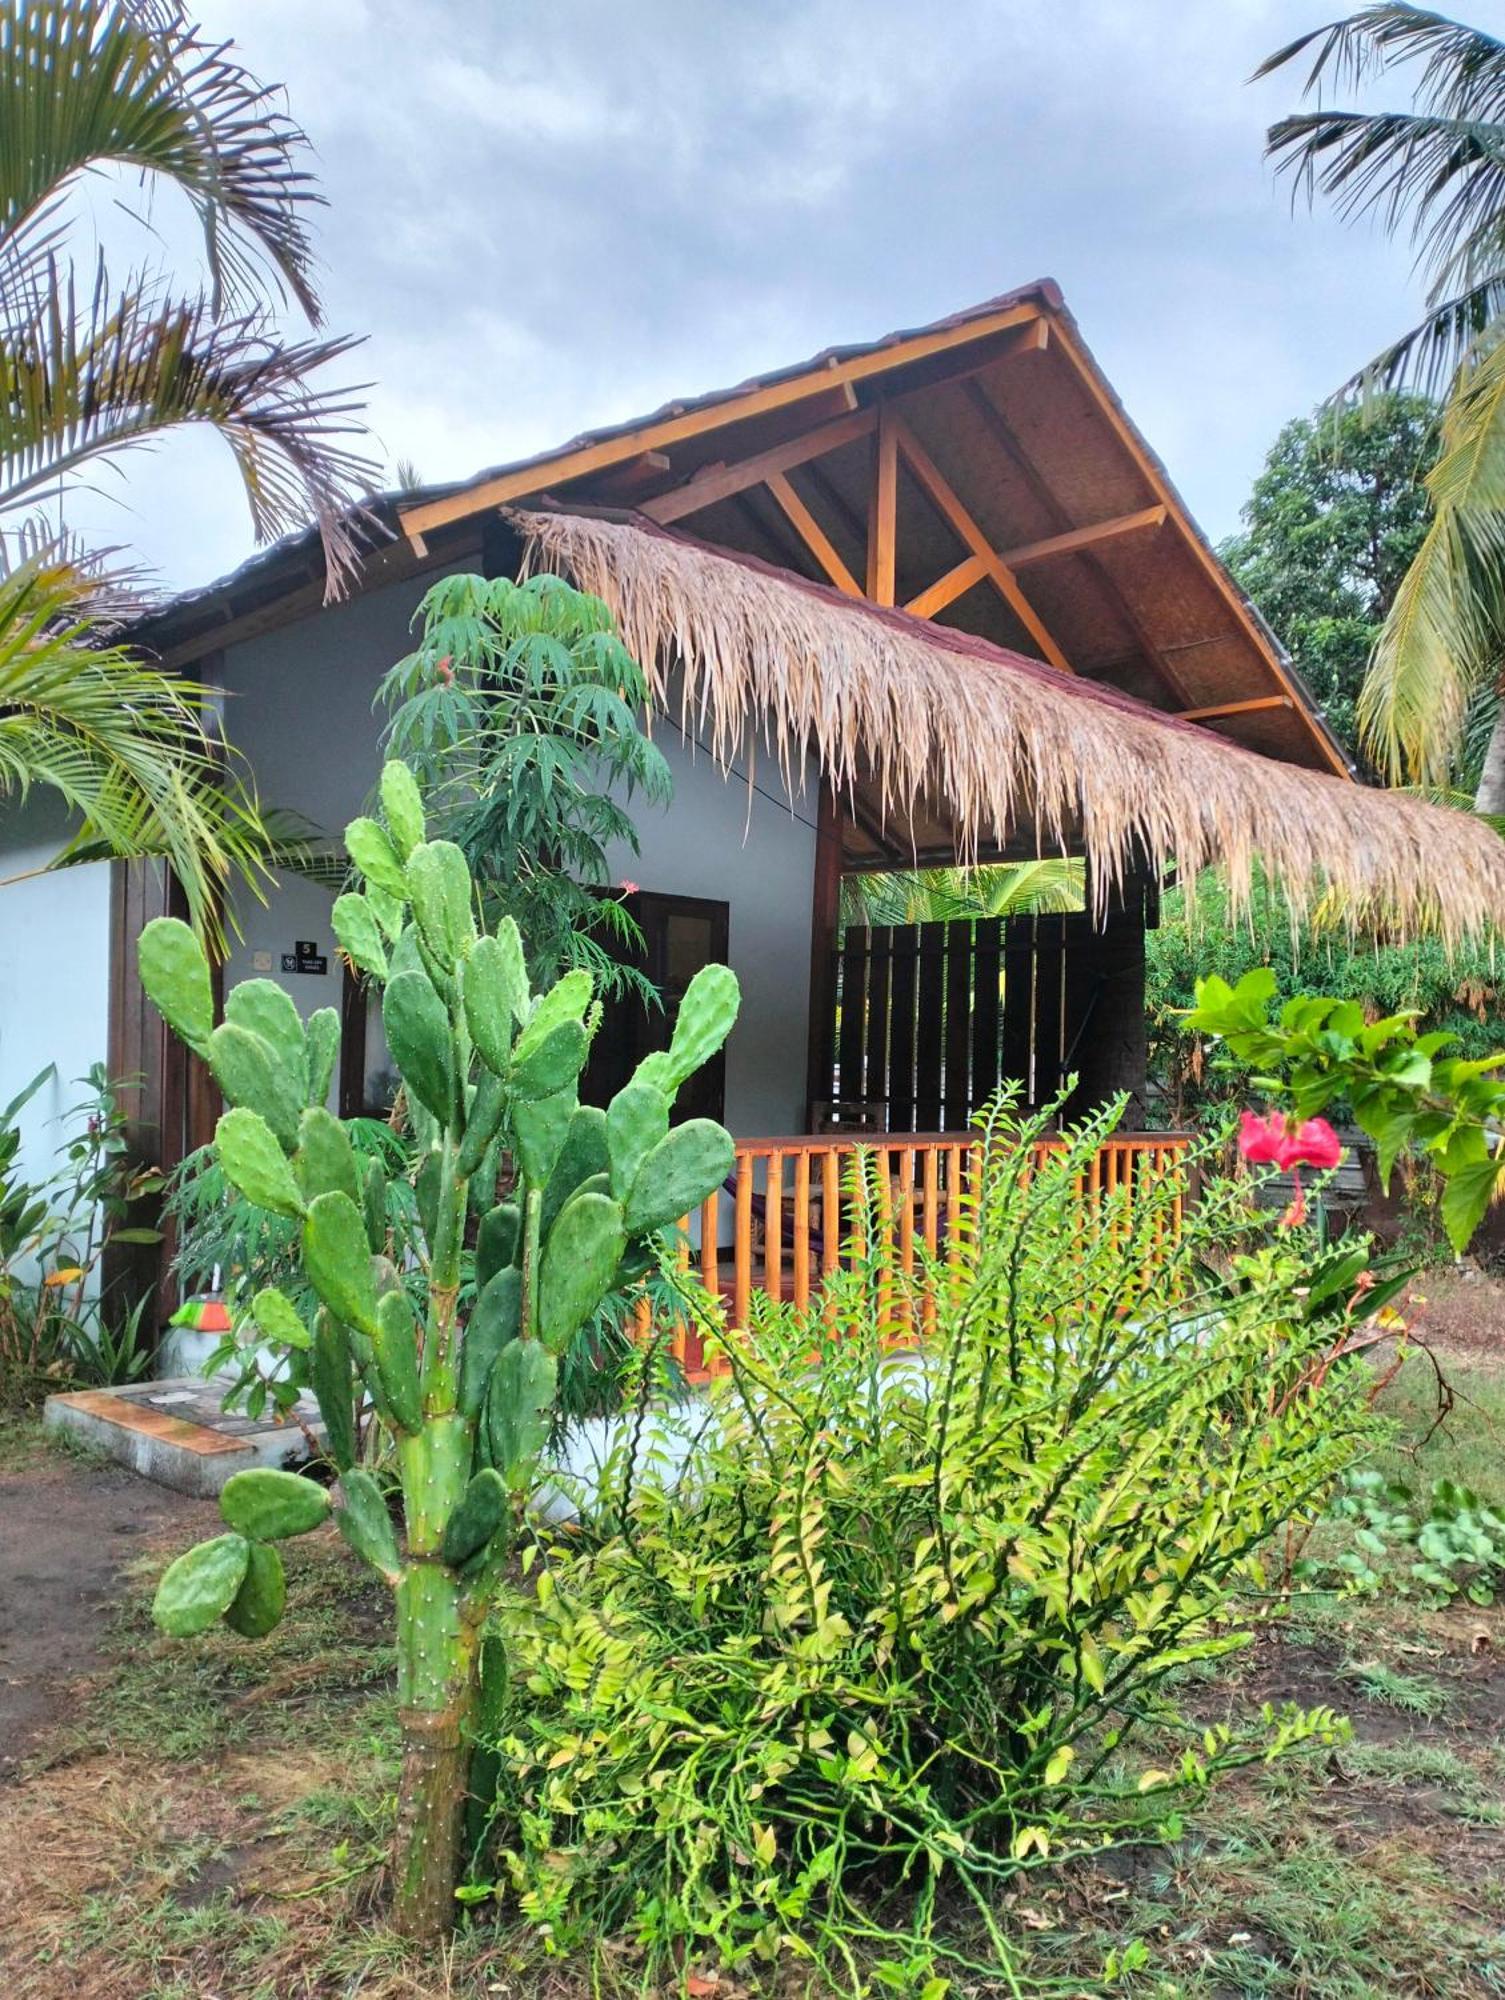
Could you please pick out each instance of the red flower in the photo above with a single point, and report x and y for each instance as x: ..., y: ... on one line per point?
x: 1317, y: 1144
x: 1274, y: 1141
x: 1264, y: 1141
x: 1280, y: 1142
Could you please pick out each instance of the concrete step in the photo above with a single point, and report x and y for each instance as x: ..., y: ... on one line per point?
x: 175, y: 1432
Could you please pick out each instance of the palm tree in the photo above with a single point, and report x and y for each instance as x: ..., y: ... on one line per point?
x: 945, y: 895
x: 95, y: 368
x: 1436, y: 172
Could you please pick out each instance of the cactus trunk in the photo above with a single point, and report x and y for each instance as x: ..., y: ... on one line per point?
x: 437, y: 1650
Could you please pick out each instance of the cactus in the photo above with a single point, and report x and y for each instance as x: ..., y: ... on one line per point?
x: 485, y: 1064
x: 259, y: 1603
x: 267, y: 1505
x: 255, y: 1163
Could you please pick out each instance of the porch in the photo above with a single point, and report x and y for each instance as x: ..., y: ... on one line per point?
x: 784, y: 1221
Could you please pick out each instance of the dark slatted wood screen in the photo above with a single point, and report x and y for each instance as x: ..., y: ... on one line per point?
x: 931, y: 1018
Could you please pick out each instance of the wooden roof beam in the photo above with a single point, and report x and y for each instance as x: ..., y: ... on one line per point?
x: 812, y: 534
x: 1074, y: 541
x: 1219, y: 709
x: 1215, y: 572
x: 721, y: 482
x: 677, y: 425
x: 944, y: 499
x: 1001, y: 431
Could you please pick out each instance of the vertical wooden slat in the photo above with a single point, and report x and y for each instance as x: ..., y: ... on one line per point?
x: 931, y: 1171
x: 903, y: 965
x: 956, y: 1108
x: 830, y: 1211
x: 742, y: 1241
x: 986, y: 1002
x: 1049, y: 974
x: 773, y: 1234
x: 929, y: 1049
x: 853, y: 1036
x: 1017, y: 1037
x: 801, y: 1230
x: 880, y: 948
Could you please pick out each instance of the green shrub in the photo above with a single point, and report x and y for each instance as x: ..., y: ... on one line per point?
x: 884, y: 1641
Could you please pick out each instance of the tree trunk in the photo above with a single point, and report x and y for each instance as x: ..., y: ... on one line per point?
x: 431, y: 1800
x: 437, y: 1649
x: 1490, y: 797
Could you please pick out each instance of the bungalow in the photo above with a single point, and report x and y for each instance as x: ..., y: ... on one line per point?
x: 926, y: 599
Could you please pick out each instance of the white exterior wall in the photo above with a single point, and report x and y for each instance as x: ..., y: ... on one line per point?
x: 54, y: 976
x: 299, y: 706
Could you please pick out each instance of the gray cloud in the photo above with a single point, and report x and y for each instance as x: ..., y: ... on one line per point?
x: 550, y: 216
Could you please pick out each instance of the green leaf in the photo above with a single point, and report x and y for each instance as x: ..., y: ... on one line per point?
x: 678, y: 1175
x: 1466, y: 1196
x: 255, y: 1163
x: 175, y: 973
x: 266, y: 1504
x: 325, y: 1160
x: 418, y: 1034
x: 518, y: 1404
x: 359, y: 935
x: 549, y: 1066
x: 365, y: 1524
x: 581, y: 1257
x: 396, y: 1344
x: 201, y: 1585
x: 337, y: 1259
x: 376, y: 857
x: 495, y: 988
x: 252, y: 1076
x: 439, y: 888
x: 278, y: 1321
x: 258, y: 1605
x: 402, y: 803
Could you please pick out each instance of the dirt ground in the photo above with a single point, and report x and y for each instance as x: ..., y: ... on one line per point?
x: 68, y: 1527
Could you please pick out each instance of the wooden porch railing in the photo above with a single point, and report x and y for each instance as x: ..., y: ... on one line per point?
x: 784, y: 1209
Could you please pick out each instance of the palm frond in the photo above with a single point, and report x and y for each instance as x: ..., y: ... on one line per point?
x: 949, y: 895
x: 124, y: 746
x: 1436, y: 172
x: 82, y: 381
x: 132, y: 83
x: 1442, y: 640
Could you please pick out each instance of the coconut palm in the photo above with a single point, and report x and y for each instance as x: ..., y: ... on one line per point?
x: 945, y: 895
x: 95, y: 367
x: 1437, y: 173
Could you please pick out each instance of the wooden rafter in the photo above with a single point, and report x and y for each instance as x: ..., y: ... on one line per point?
x: 1001, y: 431
x: 943, y: 497
x: 1072, y: 541
x: 1222, y: 708
x: 812, y: 534
x: 676, y: 425
x: 1219, y: 578
x: 883, y: 510
x: 720, y: 482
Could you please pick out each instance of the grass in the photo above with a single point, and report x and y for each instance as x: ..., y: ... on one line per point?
x: 214, y: 1817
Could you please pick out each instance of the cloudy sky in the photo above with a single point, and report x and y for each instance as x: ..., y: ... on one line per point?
x: 548, y: 216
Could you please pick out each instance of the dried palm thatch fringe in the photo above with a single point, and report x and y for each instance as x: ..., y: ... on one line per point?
x: 925, y: 713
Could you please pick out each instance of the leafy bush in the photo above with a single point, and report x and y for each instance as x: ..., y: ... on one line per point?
x: 58, y: 1324
x: 885, y: 1636
x: 1455, y: 990
x: 1449, y: 1540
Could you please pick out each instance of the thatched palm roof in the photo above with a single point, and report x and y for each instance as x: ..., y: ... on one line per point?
x: 912, y: 715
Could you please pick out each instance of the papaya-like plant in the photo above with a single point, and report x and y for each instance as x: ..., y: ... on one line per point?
x: 488, y: 1068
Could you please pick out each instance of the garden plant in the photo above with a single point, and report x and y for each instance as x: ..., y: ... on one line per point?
x: 490, y: 1074
x: 1407, y: 1089
x: 911, y: 1617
